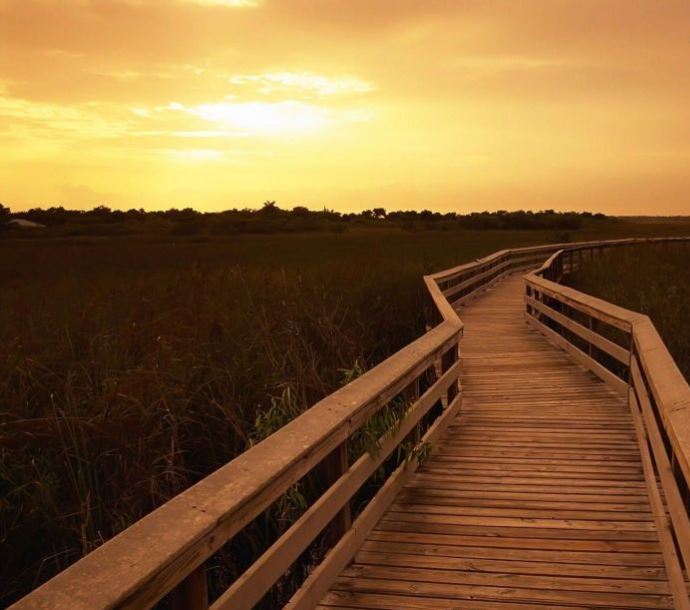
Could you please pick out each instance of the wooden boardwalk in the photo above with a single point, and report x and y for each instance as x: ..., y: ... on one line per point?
x: 535, y: 497
x: 546, y: 488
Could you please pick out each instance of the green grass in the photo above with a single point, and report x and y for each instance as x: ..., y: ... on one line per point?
x: 130, y: 368
x: 652, y: 279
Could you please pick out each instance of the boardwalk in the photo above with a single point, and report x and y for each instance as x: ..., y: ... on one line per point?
x: 535, y: 498
x: 560, y: 477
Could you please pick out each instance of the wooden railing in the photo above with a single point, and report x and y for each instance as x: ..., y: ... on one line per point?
x: 164, y: 553
x: 624, y: 349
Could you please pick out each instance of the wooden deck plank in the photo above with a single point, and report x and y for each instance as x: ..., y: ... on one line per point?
x: 535, y: 496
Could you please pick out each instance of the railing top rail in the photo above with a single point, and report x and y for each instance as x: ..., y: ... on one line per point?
x: 614, y: 314
x: 668, y: 386
x: 449, y: 273
x: 445, y: 309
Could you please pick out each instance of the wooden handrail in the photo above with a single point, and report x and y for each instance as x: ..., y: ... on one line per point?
x: 643, y: 371
x: 165, y: 551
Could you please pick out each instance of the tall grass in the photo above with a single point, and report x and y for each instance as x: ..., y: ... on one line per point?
x: 129, y: 369
x: 650, y: 279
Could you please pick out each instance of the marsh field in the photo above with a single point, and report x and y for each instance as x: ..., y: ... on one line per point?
x: 654, y: 280
x: 132, y: 367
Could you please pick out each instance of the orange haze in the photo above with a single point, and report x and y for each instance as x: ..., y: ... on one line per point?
x: 447, y: 104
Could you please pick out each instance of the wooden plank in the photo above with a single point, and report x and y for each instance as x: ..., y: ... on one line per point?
x: 339, y: 600
x: 434, y: 572
x: 450, y: 506
x: 552, y: 591
x: 633, y: 530
x: 403, y: 531
x: 192, y: 592
x: 423, y: 545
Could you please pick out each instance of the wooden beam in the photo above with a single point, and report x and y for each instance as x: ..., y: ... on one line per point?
x: 598, y: 369
x: 612, y: 349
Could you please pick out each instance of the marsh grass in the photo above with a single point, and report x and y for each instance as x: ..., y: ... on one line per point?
x: 650, y: 279
x: 130, y: 369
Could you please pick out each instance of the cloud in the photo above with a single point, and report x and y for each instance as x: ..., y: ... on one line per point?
x: 268, y: 118
x: 229, y: 3
x: 306, y: 83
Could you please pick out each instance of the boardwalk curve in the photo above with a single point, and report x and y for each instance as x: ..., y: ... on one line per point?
x: 535, y: 495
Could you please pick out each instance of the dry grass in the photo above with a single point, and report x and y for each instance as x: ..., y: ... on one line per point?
x: 654, y: 280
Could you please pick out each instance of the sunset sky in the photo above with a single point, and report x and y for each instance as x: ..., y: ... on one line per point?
x: 444, y: 104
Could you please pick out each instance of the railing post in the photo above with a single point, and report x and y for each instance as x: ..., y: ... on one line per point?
x: 411, y: 394
x: 335, y: 465
x: 192, y: 592
x: 447, y: 360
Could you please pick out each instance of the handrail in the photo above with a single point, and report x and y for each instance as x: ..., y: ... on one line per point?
x: 624, y: 349
x: 164, y: 553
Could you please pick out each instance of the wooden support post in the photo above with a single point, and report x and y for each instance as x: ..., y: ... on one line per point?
x: 411, y: 395
x: 448, y: 359
x: 590, y: 325
x: 192, y: 592
x: 335, y: 465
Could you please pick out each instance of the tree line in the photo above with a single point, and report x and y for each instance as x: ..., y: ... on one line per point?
x: 270, y: 217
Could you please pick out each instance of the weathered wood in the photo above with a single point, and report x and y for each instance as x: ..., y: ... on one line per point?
x: 673, y: 569
x: 669, y: 388
x: 673, y: 499
x: 320, y: 579
x: 335, y: 466
x: 598, y: 369
x: 613, y: 349
x: 543, y: 462
x: 192, y: 592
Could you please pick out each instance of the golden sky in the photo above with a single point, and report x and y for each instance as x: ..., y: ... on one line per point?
x: 443, y: 104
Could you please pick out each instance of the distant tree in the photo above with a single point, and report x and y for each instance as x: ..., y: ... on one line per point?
x: 379, y: 212
x: 4, y: 217
x: 269, y: 207
x: 300, y: 210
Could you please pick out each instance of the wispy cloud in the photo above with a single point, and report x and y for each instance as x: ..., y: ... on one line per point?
x: 306, y: 83
x: 232, y: 3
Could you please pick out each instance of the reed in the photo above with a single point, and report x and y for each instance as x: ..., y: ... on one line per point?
x: 650, y: 279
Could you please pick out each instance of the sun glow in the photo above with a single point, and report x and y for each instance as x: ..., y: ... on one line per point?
x: 268, y: 118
